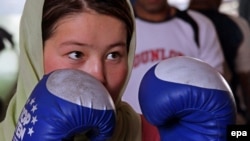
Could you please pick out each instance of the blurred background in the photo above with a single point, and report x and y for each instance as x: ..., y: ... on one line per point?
x: 10, y: 13
x: 228, y: 6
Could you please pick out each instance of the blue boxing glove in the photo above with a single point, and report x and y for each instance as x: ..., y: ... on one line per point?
x: 187, y: 100
x: 66, y: 103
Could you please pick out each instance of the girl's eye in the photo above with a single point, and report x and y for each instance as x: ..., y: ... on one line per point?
x: 75, y: 55
x: 113, y: 56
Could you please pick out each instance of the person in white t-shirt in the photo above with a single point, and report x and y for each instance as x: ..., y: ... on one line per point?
x: 163, y: 32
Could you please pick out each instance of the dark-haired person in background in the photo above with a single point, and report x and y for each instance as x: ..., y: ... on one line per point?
x: 234, y: 34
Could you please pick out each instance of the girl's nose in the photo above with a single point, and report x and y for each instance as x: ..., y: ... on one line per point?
x: 96, y: 69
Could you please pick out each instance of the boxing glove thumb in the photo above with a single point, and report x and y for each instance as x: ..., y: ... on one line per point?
x: 187, y: 100
x: 66, y: 103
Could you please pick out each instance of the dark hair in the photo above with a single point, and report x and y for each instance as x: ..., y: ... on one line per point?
x: 3, y: 36
x: 54, y: 10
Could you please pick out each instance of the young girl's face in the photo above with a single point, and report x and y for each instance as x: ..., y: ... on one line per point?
x: 93, y: 43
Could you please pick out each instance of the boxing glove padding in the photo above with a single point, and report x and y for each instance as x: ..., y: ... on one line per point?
x: 66, y: 103
x: 177, y: 96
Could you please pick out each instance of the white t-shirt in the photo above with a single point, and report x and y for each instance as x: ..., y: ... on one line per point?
x: 170, y: 38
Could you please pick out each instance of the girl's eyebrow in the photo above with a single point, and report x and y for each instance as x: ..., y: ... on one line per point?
x: 119, y: 44
x: 72, y: 42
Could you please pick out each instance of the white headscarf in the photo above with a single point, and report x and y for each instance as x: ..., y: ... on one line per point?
x: 128, y: 127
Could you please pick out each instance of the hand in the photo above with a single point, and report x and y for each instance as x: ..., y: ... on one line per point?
x: 66, y: 103
x: 186, y: 99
